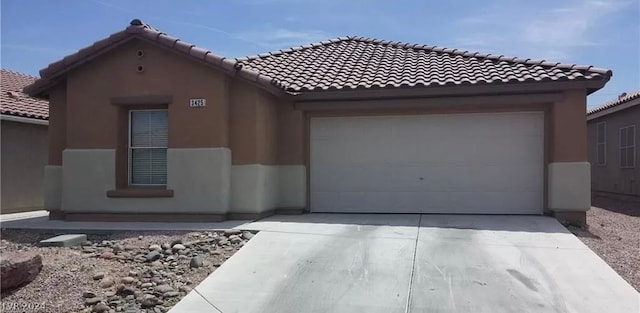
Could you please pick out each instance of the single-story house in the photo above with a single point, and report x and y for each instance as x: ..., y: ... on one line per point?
x: 24, y: 121
x: 613, y: 142
x: 146, y: 126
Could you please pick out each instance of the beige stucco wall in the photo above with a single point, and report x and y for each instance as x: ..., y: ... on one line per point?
x: 24, y: 155
x: 257, y: 188
x: 199, y: 177
x: 569, y: 186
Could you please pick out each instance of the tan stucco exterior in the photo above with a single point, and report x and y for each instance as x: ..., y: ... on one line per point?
x: 24, y: 155
x: 610, y: 178
x: 90, y: 90
x: 265, y: 136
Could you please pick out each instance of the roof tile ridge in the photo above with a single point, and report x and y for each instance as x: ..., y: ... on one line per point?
x: 19, y: 73
x: 493, y: 57
x: 312, y: 45
x: 632, y: 95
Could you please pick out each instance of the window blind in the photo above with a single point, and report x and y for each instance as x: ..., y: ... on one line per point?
x: 148, y: 147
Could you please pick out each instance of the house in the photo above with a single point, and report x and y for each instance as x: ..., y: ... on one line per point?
x: 144, y: 126
x: 613, y: 141
x: 24, y: 121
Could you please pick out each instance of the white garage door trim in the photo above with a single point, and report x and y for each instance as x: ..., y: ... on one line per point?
x: 480, y: 163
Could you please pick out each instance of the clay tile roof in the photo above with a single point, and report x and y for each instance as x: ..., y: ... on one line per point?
x: 620, y: 100
x: 138, y: 29
x: 357, y: 62
x: 343, y: 63
x: 14, y: 102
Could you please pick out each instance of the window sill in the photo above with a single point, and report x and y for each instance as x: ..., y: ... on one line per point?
x: 140, y: 193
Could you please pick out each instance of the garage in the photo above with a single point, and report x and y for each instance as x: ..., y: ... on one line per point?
x: 472, y: 163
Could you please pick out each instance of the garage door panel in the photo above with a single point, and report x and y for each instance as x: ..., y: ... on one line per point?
x: 352, y: 152
x: 352, y: 178
x: 460, y: 163
x: 349, y: 128
x: 427, y: 201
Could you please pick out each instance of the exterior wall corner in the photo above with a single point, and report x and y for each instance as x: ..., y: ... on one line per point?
x: 53, y: 187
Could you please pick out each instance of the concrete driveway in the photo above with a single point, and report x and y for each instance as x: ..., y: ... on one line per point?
x: 412, y: 263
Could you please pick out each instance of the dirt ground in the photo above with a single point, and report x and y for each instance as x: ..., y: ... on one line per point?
x: 68, y: 273
x: 614, y: 234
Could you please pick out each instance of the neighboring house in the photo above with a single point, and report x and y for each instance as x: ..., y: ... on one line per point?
x: 24, y: 144
x: 146, y: 126
x: 614, y: 138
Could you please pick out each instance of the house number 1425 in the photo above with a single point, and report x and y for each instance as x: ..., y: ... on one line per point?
x: 194, y: 103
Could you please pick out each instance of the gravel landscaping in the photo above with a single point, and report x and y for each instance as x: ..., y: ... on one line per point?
x: 120, y: 272
x: 614, y: 234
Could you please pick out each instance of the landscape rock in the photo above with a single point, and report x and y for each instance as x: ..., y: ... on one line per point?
x: 150, y: 301
x: 128, y: 280
x: 107, y: 255
x: 88, y: 294
x: 152, y: 256
x: 106, y: 282
x: 100, y: 308
x: 170, y: 294
x: 247, y: 235
x: 162, y: 289
x: 92, y: 301
x: 155, y: 248
x: 230, y: 232
x: 235, y: 240
x: 18, y: 269
x: 98, y: 276
x: 124, y: 291
x: 117, y: 248
x: 178, y: 246
x: 196, y: 262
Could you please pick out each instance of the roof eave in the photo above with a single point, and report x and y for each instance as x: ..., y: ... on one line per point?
x: 51, y: 74
x: 453, y: 90
x: 613, y: 109
x: 24, y: 119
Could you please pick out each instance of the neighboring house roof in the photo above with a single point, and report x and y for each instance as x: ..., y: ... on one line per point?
x: 357, y: 62
x: 16, y: 103
x: 345, y: 63
x: 624, y: 101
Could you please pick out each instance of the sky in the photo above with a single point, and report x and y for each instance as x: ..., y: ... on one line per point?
x: 603, y: 33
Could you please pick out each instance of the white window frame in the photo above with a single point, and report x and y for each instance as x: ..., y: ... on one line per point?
x: 603, y: 143
x: 130, y: 148
x: 625, y: 147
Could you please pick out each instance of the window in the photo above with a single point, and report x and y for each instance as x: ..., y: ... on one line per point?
x: 148, y: 138
x: 628, y: 147
x: 601, y: 143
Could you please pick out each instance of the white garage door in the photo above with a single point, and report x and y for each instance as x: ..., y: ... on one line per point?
x: 453, y: 163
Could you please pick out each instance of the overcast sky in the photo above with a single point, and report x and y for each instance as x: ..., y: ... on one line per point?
x: 603, y: 33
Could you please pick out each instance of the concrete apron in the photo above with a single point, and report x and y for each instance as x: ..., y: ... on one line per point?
x: 386, y: 263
